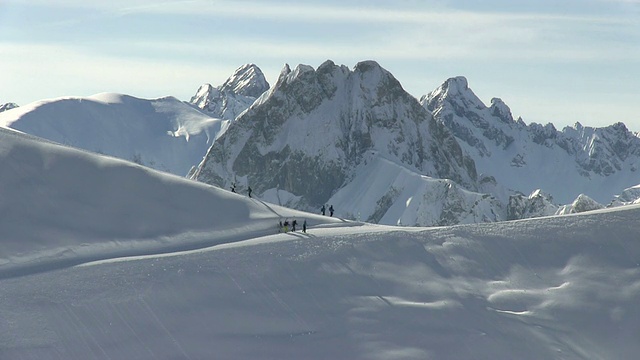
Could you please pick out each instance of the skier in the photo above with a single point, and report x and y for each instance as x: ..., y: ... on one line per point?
x: 304, y: 226
x: 323, y: 210
x: 293, y: 225
x: 249, y: 191
x: 331, y: 210
x: 286, y: 226
x: 233, y: 188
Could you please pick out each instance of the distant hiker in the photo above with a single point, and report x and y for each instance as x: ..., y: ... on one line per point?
x: 280, y: 226
x: 249, y: 191
x: 304, y: 226
x: 323, y: 210
x: 293, y: 225
x: 331, y: 210
x: 233, y: 188
x: 286, y: 226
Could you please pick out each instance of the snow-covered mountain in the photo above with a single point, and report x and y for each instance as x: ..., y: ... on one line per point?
x: 356, y: 140
x: 315, y: 134
x: 597, y: 162
x: 627, y: 196
x: 166, y: 134
x: 104, y: 259
x: 537, y: 204
x: 234, y: 96
x: 8, y: 106
x: 582, y: 203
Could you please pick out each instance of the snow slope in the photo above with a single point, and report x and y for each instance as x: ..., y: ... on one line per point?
x: 62, y: 204
x: 165, y: 134
x: 104, y: 259
x: 384, y: 192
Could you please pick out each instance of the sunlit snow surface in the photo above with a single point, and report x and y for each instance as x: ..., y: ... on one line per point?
x: 164, y: 134
x: 101, y: 259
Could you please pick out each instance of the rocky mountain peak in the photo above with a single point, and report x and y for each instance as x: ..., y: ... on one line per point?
x: 234, y: 96
x: 482, y: 128
x: 500, y: 110
x: 582, y: 203
x: 8, y: 106
x: 537, y: 204
x: 247, y: 80
x: 311, y: 131
x: 456, y: 92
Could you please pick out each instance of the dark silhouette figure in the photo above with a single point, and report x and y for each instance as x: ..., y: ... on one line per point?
x: 293, y: 225
x: 286, y: 225
x: 304, y: 226
x: 323, y: 210
x: 249, y: 191
x: 331, y: 210
x: 233, y: 188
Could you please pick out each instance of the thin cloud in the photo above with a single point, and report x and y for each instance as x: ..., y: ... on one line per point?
x: 323, y: 13
x: 312, y: 12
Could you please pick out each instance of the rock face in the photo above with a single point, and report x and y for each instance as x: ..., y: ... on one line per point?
x: 578, y: 160
x: 316, y: 130
x: 535, y: 205
x: 581, y: 204
x: 8, y: 106
x: 233, y: 97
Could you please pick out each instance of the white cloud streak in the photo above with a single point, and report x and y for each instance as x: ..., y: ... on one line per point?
x: 313, y: 12
x: 416, y: 34
x: 328, y: 13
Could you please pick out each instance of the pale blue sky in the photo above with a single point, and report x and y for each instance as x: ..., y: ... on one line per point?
x: 558, y: 61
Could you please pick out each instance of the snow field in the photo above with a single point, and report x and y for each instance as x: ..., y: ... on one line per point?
x: 562, y: 287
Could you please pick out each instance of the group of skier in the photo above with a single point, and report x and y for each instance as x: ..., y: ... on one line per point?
x: 286, y: 226
x: 233, y: 189
x: 323, y: 209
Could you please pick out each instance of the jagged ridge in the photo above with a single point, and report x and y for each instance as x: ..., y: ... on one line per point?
x: 312, y: 130
x: 234, y: 96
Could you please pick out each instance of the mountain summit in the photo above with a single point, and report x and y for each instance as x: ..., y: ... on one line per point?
x: 247, y: 80
x: 317, y: 129
x: 235, y: 95
x: 598, y: 162
x: 8, y: 106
